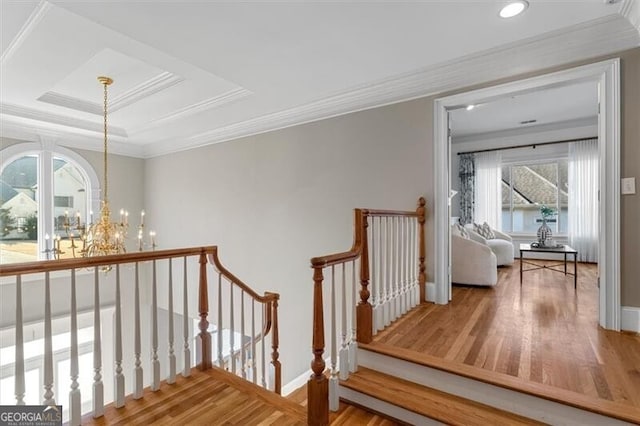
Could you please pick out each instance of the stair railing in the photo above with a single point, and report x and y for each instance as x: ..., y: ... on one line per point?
x: 389, y: 250
x: 241, y: 328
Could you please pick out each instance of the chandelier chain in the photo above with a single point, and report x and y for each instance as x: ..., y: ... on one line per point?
x: 106, y: 192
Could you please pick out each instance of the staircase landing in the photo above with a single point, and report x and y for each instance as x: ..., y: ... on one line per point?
x: 205, y: 398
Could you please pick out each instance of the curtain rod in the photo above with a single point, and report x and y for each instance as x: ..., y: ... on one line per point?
x: 527, y: 146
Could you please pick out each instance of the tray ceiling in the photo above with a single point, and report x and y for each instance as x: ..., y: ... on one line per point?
x: 192, y: 73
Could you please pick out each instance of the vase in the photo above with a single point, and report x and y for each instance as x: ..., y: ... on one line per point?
x: 544, y: 233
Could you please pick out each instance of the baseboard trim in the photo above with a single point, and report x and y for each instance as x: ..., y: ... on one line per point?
x: 296, y: 383
x: 630, y: 319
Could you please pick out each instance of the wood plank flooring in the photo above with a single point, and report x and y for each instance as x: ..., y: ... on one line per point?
x: 543, y: 332
x: 347, y: 414
x: 213, y: 397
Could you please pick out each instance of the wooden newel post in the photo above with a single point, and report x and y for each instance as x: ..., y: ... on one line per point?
x: 364, y: 311
x: 422, y: 277
x: 318, y: 385
x: 275, y: 342
x: 204, y: 338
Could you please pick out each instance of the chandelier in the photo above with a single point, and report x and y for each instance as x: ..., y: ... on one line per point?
x: 104, y: 236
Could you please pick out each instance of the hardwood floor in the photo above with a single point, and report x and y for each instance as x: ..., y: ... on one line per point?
x: 213, y: 397
x: 542, y: 332
x: 347, y: 414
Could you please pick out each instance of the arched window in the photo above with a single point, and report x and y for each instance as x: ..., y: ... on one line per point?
x: 42, y: 189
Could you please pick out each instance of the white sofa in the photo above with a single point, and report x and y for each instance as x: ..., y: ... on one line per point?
x: 472, y: 263
x: 502, y: 245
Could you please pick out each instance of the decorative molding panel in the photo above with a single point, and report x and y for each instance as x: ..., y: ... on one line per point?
x: 71, y: 102
x: 33, y: 20
x: 591, y: 39
x: 143, y: 90
x: 214, y: 102
x: 54, y: 120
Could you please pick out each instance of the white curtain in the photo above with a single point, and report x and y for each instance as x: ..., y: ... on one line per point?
x: 583, y: 199
x: 488, y: 189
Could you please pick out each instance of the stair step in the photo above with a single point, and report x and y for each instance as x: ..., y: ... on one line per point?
x: 432, y: 403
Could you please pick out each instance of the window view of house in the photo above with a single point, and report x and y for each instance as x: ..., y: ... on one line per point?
x: 19, y: 208
x: 526, y: 187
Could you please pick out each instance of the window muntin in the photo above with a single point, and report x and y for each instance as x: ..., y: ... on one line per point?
x: 48, y: 180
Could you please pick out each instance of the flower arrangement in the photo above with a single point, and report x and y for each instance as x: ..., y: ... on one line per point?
x: 547, y: 211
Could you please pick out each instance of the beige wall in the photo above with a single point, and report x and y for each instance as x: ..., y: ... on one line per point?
x: 274, y: 200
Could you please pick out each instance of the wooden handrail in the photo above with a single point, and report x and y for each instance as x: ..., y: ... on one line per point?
x: 317, y: 386
x: 114, y: 259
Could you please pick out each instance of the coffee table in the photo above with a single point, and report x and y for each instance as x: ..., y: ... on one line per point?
x: 565, y: 249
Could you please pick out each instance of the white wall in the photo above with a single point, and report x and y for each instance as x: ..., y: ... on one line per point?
x: 273, y: 201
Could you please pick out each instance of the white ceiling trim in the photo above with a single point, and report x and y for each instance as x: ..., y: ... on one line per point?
x: 214, y: 102
x: 631, y: 10
x: 520, y: 131
x: 53, y: 121
x: 147, y: 88
x: 579, y: 42
x: 33, y: 20
x: 71, y: 102
x: 156, y: 84
x: 79, y: 140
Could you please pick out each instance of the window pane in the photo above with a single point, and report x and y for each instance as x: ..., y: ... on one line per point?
x: 19, y: 211
x: 69, y: 206
x: 533, y: 186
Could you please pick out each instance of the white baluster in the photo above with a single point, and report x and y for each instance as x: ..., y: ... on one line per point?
x: 19, y: 364
x: 378, y: 318
x: 387, y: 267
x: 396, y: 261
x: 119, y: 377
x: 333, y: 380
x: 232, y: 330
x: 75, y: 399
x: 48, y: 345
x: 219, y: 325
x: 186, y: 372
x: 415, y: 264
x: 374, y: 284
x: 262, y: 348
x: 254, y: 374
x: 172, y: 356
x: 98, y: 386
x: 353, y: 345
x: 344, y: 350
x: 137, y: 370
x: 403, y: 265
x: 243, y: 354
x: 155, y: 362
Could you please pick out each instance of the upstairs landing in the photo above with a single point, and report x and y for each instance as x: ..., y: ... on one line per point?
x: 542, y: 339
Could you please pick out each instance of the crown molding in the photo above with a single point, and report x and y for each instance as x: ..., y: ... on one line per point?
x: 631, y: 10
x: 78, y: 140
x: 54, y: 121
x: 34, y: 19
x: 579, y: 42
x: 160, y: 82
x: 521, y: 131
x: 71, y: 102
x: 143, y: 90
x: 211, y: 103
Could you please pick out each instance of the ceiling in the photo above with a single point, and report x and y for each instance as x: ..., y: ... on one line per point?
x: 565, y: 106
x: 191, y: 73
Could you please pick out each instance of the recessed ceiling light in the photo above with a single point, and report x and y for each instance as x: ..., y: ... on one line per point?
x: 470, y: 107
x: 514, y: 8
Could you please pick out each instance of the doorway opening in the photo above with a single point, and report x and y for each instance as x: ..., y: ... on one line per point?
x: 603, y: 75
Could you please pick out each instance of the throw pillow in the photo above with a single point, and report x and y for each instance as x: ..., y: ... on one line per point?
x: 462, y: 231
x: 484, y: 231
